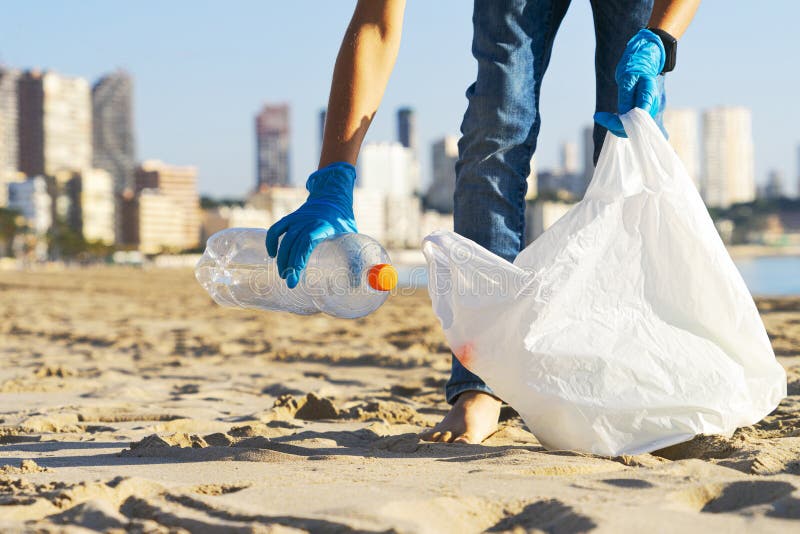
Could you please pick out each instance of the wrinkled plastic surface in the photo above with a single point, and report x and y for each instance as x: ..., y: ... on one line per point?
x: 337, y: 274
x: 625, y: 327
x: 236, y: 271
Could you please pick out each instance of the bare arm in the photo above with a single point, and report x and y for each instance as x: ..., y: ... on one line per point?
x: 365, y: 62
x: 673, y: 16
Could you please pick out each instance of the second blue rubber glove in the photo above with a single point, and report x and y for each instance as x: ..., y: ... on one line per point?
x: 637, y: 83
x: 327, y: 211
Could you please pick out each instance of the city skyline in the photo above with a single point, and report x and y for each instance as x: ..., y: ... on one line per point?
x: 53, y: 110
x: 68, y: 167
x: 62, y: 124
x: 196, y: 96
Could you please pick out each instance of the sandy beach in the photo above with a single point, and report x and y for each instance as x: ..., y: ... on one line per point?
x: 132, y: 403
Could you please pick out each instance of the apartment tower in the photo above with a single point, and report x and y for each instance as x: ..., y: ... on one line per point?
x: 272, y: 146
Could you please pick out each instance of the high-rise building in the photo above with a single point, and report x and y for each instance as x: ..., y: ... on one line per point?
x: 9, y: 143
x: 272, y: 146
x: 92, y: 210
x: 386, y: 167
x: 55, y: 124
x: 407, y: 128
x: 323, y: 113
x: 407, y: 136
x: 728, y: 164
x: 113, y: 142
x: 683, y: 127
x: 587, y: 148
x: 573, y: 177
x: 166, y: 204
x: 444, y: 154
x: 161, y: 228
x: 798, y: 171
x: 402, y: 221
x: 369, y: 207
x: 569, y: 158
x: 774, y: 186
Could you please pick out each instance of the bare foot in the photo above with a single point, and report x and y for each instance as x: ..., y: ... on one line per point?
x: 472, y: 419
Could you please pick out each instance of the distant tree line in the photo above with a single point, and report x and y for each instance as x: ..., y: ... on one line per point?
x: 208, y: 203
x: 749, y: 213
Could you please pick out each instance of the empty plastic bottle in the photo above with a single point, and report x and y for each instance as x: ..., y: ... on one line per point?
x: 347, y: 275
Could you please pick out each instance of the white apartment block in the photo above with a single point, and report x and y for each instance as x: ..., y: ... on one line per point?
x: 683, y: 127
x: 389, y: 170
x: 387, y: 167
x: 402, y: 225
x: 162, y: 228
x: 217, y: 219
x: 97, y: 206
x: 264, y: 208
x: 9, y: 143
x: 178, y: 184
x: 55, y: 123
x: 728, y: 164
x: 67, y: 123
x: 369, y: 207
x: 277, y: 201
x: 569, y: 158
x: 444, y: 155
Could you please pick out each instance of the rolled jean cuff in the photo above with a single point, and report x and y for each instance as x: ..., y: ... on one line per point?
x: 451, y: 393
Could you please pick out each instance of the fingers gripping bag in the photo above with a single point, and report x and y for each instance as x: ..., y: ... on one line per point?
x: 625, y: 327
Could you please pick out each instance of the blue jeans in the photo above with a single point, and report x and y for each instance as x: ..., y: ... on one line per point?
x: 512, y: 43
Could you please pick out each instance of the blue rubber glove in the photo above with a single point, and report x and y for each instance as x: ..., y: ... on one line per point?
x: 636, y: 75
x: 327, y: 211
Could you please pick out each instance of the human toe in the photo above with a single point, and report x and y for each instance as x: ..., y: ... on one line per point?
x: 466, y: 438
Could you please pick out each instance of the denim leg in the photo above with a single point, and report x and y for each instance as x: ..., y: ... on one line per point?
x: 512, y: 42
x: 615, y: 22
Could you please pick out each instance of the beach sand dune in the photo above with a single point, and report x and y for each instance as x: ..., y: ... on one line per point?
x: 131, y: 402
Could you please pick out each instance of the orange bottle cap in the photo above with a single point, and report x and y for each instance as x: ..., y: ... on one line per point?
x: 382, y: 277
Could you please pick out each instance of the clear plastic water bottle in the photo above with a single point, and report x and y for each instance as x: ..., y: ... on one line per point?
x: 347, y: 275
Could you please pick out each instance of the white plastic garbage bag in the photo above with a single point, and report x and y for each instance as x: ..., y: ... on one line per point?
x: 625, y: 327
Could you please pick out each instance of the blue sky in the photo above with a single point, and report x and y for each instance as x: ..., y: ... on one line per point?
x: 203, y: 68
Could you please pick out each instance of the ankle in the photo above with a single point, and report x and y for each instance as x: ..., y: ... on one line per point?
x: 476, y: 397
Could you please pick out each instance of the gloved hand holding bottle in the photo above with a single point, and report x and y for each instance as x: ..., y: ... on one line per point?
x: 327, y: 211
x: 362, y: 70
x: 637, y: 80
